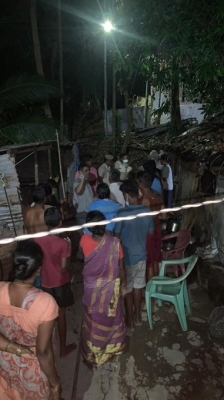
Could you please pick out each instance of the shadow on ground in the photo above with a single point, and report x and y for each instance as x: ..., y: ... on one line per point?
x: 163, y: 364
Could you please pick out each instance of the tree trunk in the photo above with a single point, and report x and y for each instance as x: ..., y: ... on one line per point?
x: 175, y: 108
x: 114, y: 119
x: 36, y: 48
x: 54, y: 57
x: 146, y: 110
x: 61, y: 72
x: 129, y: 120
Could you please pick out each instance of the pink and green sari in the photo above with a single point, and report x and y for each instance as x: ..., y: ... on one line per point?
x: 103, y: 330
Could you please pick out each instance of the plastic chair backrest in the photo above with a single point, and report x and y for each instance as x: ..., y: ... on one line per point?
x: 191, y: 261
x: 183, y: 239
x: 191, y: 264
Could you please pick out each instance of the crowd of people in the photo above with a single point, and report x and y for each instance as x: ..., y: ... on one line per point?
x: 119, y: 258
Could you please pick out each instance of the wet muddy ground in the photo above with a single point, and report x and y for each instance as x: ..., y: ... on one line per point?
x: 162, y: 364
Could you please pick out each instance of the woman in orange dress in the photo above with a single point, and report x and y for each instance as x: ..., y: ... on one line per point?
x: 27, y: 315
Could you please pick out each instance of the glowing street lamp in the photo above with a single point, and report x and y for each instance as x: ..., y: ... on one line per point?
x: 107, y: 26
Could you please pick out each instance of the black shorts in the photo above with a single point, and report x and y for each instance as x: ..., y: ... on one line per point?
x: 63, y: 295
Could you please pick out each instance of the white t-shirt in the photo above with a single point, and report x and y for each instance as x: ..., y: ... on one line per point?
x: 83, y: 200
x: 159, y: 166
x: 123, y: 168
x: 116, y: 194
x: 168, y: 175
x: 104, y: 173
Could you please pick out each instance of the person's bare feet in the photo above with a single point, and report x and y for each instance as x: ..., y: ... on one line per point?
x: 112, y: 359
x: 68, y: 349
x: 138, y: 320
x: 130, y: 324
x: 90, y: 366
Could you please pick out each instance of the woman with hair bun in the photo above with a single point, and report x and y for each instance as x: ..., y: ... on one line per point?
x: 27, y: 316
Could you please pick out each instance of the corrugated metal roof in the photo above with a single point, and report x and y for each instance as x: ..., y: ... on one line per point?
x: 5, y: 149
x: 7, y: 167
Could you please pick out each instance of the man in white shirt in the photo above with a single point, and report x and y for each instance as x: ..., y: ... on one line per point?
x: 104, y: 170
x: 115, y: 193
x: 82, y: 195
x: 82, y: 198
x: 167, y: 179
x: 123, y: 167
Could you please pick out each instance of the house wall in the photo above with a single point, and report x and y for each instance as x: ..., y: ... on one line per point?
x: 138, y: 119
x: 187, y: 110
x: 18, y: 177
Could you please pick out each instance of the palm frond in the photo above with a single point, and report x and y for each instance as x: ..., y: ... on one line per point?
x: 27, y: 128
x: 25, y: 90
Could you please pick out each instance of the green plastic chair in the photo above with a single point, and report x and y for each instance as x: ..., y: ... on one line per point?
x: 174, y: 290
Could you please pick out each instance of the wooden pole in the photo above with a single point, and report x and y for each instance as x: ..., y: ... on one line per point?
x: 146, y: 104
x: 7, y: 199
x: 114, y: 117
x: 10, y: 210
x: 129, y: 120
x: 36, y: 168
x: 60, y: 166
x: 36, y: 49
x: 105, y: 86
x: 49, y: 162
x: 61, y: 78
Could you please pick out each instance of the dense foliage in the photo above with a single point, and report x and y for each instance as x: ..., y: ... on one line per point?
x: 172, y: 42
x: 165, y: 42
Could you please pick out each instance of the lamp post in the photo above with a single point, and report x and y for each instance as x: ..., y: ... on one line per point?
x: 108, y: 27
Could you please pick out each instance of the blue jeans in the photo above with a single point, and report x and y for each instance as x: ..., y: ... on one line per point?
x: 168, y: 198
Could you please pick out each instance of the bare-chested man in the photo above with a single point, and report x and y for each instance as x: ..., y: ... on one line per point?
x: 155, y: 202
x: 34, y: 216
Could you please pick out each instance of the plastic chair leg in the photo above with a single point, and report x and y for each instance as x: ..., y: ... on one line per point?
x: 159, y: 302
x: 180, y: 302
x: 178, y: 311
x: 186, y: 300
x: 149, y: 309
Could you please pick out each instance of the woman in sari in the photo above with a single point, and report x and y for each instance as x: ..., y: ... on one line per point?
x: 103, y: 330
x: 27, y: 315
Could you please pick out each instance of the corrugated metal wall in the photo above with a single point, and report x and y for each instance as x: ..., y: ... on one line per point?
x: 25, y: 168
x: 7, y: 167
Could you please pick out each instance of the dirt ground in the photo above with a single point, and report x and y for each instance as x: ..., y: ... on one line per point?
x: 162, y: 364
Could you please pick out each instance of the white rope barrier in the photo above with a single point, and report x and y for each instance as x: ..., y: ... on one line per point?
x: 106, y: 222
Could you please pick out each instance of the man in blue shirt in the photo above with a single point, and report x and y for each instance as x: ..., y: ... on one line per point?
x: 133, y: 234
x: 104, y: 204
x: 150, y: 167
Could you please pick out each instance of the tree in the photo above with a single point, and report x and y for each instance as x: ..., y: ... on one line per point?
x: 21, y: 120
x: 36, y: 48
x: 61, y: 77
x: 179, y: 42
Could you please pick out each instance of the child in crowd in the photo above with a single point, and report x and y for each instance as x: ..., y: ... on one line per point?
x: 56, y: 279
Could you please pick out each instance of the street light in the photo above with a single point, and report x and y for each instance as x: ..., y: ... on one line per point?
x: 108, y: 27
